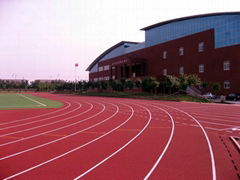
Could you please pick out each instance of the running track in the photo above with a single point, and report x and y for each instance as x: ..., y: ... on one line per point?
x: 111, y: 138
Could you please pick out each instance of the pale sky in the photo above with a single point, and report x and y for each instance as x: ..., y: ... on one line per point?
x: 43, y: 39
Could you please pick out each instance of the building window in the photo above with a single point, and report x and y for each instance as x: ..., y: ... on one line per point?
x: 113, y: 77
x: 226, y: 65
x: 164, y: 54
x: 181, y: 51
x: 100, y: 78
x: 226, y: 85
x: 106, y: 78
x: 201, y: 47
x: 95, y: 79
x: 113, y: 67
x: 100, y: 68
x: 165, y: 72
x: 181, y: 70
x: 106, y: 67
x: 201, y: 68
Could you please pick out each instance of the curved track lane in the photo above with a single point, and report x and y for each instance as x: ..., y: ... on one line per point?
x: 110, y: 138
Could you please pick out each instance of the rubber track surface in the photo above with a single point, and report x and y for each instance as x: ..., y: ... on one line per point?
x: 111, y: 138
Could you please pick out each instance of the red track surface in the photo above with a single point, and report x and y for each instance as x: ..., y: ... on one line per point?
x: 110, y: 138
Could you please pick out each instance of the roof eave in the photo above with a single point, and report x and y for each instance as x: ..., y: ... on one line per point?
x: 188, y: 17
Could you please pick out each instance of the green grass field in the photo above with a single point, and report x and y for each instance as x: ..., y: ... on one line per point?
x: 20, y: 101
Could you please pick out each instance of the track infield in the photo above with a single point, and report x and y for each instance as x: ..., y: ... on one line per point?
x: 21, y: 101
x: 111, y: 138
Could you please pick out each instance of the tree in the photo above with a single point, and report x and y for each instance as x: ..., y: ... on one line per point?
x: 183, y: 82
x: 216, y: 87
x: 138, y: 83
x: 103, y: 85
x: 204, y: 85
x: 193, y: 80
x: 172, y: 83
x: 129, y: 84
x: 149, y: 84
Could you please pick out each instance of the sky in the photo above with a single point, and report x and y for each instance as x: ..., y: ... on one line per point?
x: 43, y: 39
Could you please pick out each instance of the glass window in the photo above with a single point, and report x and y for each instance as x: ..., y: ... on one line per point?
x: 181, y: 51
x: 106, y: 78
x: 165, y: 72
x: 226, y: 65
x: 201, y: 68
x: 164, y: 54
x: 181, y: 70
x: 226, y: 85
x: 201, y: 47
x: 113, y: 77
x: 106, y: 67
x: 113, y: 67
x: 100, y: 68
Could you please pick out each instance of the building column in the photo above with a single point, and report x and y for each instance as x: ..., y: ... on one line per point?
x: 142, y: 69
x: 124, y: 71
x: 130, y: 70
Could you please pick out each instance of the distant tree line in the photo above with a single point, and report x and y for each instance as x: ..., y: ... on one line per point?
x: 170, y: 84
x: 14, y: 84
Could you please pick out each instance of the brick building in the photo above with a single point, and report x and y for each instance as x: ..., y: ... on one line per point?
x: 207, y: 45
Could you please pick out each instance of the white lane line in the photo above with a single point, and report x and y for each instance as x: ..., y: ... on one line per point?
x: 120, y: 149
x: 36, y: 135
x: 73, y: 150
x: 33, y: 100
x: 62, y: 138
x: 206, y: 137
x: 217, y: 119
x: 231, y: 128
x: 215, y: 129
x: 220, y: 124
x: 33, y: 117
x: 166, y: 147
x: 44, y: 119
x: 36, y: 127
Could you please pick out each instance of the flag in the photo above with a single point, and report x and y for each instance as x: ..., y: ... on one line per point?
x: 76, y: 64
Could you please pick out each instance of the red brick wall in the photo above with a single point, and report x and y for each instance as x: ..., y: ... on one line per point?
x: 211, y: 58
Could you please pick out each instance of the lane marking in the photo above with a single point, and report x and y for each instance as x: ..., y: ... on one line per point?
x: 55, y: 135
x: 120, y: 149
x: 93, y: 132
x: 235, y: 129
x: 75, y: 149
x: 9, y: 127
x: 159, y: 127
x: 231, y: 128
x: 36, y: 135
x: 33, y: 100
x: 129, y: 130
x: 206, y: 137
x: 220, y: 124
x: 70, y: 135
x: 215, y: 119
x: 166, y: 147
x: 36, y: 127
x: 20, y: 120
x: 11, y: 137
x: 50, y: 142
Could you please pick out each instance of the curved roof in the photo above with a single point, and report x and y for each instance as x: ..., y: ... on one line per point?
x: 106, y: 52
x: 189, y: 17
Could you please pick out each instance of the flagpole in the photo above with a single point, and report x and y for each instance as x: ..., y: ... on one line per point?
x: 75, y: 88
